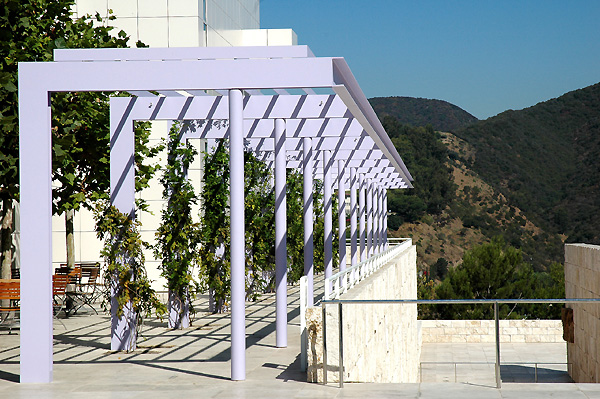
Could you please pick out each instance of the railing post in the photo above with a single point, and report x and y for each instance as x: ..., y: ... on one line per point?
x: 496, y: 317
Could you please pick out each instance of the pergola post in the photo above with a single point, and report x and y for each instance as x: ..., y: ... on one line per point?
x: 341, y: 216
x: 353, y: 216
x: 380, y: 223
x: 385, y: 220
x: 280, y: 235
x: 35, y: 161
x: 369, y: 212
x: 194, y: 70
x: 327, y: 215
x: 238, y: 269
x: 375, y: 218
x: 361, y: 216
x: 123, y: 333
x: 308, y: 217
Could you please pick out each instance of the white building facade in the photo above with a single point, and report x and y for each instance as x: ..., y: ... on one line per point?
x: 166, y: 23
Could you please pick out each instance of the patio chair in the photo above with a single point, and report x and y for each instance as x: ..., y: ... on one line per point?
x: 72, y: 291
x: 59, y: 295
x: 10, y: 296
x: 89, y: 289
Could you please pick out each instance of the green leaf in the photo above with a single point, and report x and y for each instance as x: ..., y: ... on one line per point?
x: 60, y: 43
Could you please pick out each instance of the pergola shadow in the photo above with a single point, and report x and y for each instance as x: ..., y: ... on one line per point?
x: 208, y: 341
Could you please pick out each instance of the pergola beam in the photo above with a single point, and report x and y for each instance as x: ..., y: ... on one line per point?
x: 145, y: 70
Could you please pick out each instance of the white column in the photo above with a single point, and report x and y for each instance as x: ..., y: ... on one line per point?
x: 123, y: 332
x: 236, y: 201
x: 381, y: 216
x: 341, y: 216
x: 369, y: 218
x: 353, y: 217
x: 375, y: 243
x: 327, y: 215
x: 35, y: 161
x: 362, y: 216
x: 385, y: 219
x: 308, y: 217
x: 280, y: 235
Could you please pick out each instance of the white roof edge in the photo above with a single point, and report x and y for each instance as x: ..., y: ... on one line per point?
x: 181, y: 53
x: 348, y: 89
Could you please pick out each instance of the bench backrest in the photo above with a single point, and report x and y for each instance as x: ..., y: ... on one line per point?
x: 10, y: 289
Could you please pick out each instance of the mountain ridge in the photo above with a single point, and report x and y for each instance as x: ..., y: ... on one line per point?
x: 440, y: 114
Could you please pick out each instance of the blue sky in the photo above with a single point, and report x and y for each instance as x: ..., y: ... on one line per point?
x: 484, y: 56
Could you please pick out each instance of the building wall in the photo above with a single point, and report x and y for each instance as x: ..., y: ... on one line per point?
x: 582, y: 280
x: 479, y: 331
x: 178, y: 23
x: 381, y: 342
x: 166, y: 23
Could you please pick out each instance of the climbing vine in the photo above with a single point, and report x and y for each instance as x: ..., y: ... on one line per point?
x: 178, y: 235
x: 124, y: 262
x: 295, y: 226
x: 215, y: 276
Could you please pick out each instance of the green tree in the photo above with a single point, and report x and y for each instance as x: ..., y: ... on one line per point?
x: 490, y: 271
x: 30, y: 31
x: 439, y: 269
x: 427, y: 158
x: 177, y: 236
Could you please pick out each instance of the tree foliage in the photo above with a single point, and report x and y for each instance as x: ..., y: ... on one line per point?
x: 441, y: 115
x: 496, y: 270
x: 426, y: 157
x: 31, y: 31
x: 544, y: 160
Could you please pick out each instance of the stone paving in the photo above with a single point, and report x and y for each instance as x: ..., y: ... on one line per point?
x: 195, y: 363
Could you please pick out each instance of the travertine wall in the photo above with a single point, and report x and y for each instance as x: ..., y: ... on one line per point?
x: 476, y: 331
x: 582, y: 280
x: 381, y: 342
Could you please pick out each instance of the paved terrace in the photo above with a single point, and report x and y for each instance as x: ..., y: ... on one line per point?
x: 196, y: 363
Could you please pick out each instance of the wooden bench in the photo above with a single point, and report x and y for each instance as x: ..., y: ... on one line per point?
x: 10, y: 296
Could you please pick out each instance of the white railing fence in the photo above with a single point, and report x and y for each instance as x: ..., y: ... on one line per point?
x: 341, y: 282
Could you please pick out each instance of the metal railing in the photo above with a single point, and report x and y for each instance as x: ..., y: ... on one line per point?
x: 494, y: 302
x: 535, y: 378
x: 342, y: 281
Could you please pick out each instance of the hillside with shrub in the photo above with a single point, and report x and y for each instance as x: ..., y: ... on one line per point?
x: 452, y: 209
x: 521, y: 183
x: 544, y: 159
x: 441, y: 115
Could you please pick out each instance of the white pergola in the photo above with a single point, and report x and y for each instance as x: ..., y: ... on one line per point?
x: 341, y: 126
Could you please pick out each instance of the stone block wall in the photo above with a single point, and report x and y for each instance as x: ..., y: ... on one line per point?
x: 381, y: 341
x: 478, y: 331
x: 582, y: 280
